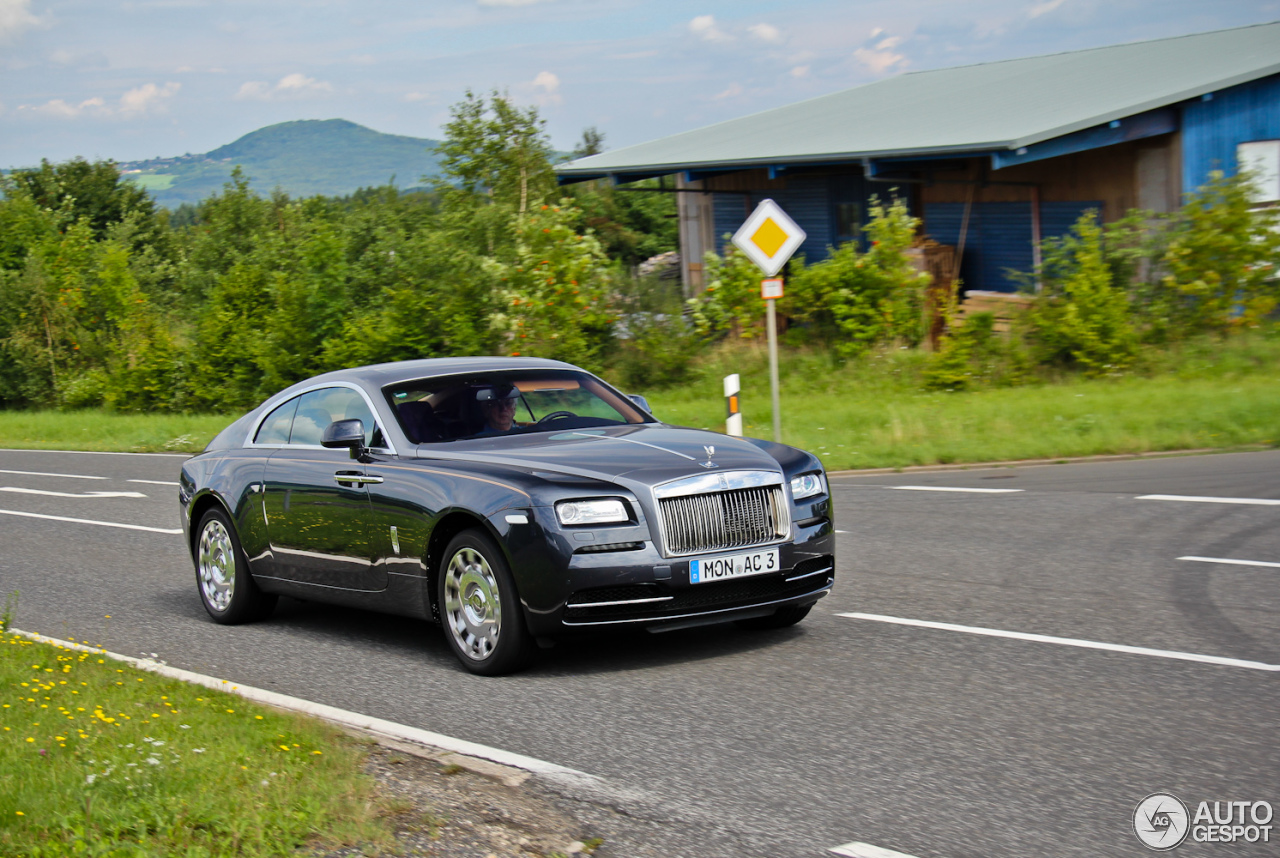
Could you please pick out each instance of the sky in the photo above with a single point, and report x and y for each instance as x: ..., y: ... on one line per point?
x: 136, y: 79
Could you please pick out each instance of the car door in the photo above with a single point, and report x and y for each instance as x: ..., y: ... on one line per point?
x: 316, y: 501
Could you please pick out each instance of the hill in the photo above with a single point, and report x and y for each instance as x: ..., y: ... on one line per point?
x: 333, y: 157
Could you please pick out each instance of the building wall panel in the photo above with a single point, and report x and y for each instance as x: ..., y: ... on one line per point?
x: 1212, y: 129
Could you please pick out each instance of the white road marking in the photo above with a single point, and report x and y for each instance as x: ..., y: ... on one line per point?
x: 1023, y: 636
x: 156, y: 482
x: 22, y: 491
x: 43, y: 474
x: 1194, y: 499
x: 953, y: 489
x: 866, y: 850
x: 91, y: 521
x: 1233, y: 562
x: 340, y: 716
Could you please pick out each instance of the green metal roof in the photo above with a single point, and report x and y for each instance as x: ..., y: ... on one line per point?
x: 979, y: 108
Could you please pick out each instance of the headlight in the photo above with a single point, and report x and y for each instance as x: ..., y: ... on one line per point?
x: 591, y: 511
x: 808, y: 485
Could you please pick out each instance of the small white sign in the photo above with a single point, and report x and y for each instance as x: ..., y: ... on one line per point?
x: 770, y: 289
x: 769, y: 237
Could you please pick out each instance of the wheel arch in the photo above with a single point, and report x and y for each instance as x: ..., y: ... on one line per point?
x: 200, y: 505
x: 449, y: 525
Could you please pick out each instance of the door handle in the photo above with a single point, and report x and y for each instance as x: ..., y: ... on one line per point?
x: 344, y: 478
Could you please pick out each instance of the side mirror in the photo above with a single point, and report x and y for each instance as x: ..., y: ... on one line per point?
x: 345, y: 433
x: 641, y: 401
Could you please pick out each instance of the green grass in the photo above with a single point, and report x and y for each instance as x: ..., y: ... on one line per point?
x: 97, y: 429
x: 874, y: 413
x: 100, y: 758
x: 151, y: 181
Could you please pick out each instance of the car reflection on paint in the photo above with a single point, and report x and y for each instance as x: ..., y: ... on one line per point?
x: 389, y: 488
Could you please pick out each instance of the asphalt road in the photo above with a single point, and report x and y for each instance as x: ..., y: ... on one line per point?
x: 933, y: 741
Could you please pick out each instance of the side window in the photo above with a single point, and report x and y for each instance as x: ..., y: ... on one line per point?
x: 319, y: 408
x: 275, y: 429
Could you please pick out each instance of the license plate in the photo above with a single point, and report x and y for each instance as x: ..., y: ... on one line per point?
x: 733, y: 566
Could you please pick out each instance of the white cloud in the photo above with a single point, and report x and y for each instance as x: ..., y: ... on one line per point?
x: 1042, y: 8
x: 877, y: 62
x: 800, y: 71
x: 877, y: 31
x: 732, y: 91
x: 546, y: 88
x: 147, y: 97
x: 889, y: 43
x: 15, y: 16
x: 296, y: 85
x: 704, y: 27
x: 509, y: 2
x: 417, y: 96
x: 765, y: 32
x: 140, y: 100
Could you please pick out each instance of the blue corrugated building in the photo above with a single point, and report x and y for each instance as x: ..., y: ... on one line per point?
x: 993, y: 157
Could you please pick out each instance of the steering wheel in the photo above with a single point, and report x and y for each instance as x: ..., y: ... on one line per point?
x: 554, y: 414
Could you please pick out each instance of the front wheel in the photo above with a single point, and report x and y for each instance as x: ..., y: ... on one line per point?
x: 779, y: 619
x: 222, y: 573
x: 480, y: 607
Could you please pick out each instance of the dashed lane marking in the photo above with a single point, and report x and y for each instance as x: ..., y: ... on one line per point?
x: 1231, y: 562
x: 43, y: 474
x: 1024, y: 636
x: 953, y: 489
x: 156, y: 482
x: 91, y: 521
x: 23, y: 491
x: 1194, y: 499
x: 866, y: 850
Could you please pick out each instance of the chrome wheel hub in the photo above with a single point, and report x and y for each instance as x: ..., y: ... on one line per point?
x: 217, y: 564
x: 472, y: 607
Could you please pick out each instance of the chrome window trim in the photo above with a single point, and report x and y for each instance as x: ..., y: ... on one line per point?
x: 711, y: 483
x: 273, y: 404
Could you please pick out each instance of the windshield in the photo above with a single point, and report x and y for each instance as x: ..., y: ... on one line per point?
x: 480, y: 405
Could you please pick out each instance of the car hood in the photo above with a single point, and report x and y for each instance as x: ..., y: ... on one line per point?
x: 648, y: 453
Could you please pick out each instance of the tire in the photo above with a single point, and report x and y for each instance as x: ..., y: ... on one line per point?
x: 226, y: 588
x: 480, y: 608
x: 779, y: 619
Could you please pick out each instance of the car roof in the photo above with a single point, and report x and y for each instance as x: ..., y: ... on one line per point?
x: 382, y: 374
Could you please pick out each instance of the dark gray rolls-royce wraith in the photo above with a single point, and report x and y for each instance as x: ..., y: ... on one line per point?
x: 512, y: 500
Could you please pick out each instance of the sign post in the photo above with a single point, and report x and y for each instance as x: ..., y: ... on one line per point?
x: 768, y: 238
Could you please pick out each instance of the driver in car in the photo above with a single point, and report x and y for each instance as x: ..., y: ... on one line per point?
x: 498, y: 405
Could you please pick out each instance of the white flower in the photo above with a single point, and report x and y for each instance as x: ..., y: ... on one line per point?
x: 197, y: 750
x: 155, y: 761
x: 90, y: 779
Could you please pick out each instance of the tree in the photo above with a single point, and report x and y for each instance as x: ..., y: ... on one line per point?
x: 495, y: 150
x: 592, y: 143
x: 79, y: 189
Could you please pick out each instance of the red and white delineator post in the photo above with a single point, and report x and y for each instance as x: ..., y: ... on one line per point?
x: 733, y: 420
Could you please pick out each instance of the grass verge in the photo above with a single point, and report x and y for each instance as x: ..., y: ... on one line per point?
x: 100, y: 758
x: 96, y: 429
x: 873, y: 413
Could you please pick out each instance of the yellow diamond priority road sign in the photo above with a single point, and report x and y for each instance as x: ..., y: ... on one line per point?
x: 769, y: 237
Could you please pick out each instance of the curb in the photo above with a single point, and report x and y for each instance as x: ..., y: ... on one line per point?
x: 1059, y: 460
x: 469, y: 755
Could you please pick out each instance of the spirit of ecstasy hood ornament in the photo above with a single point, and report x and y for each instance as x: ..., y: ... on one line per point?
x: 711, y: 451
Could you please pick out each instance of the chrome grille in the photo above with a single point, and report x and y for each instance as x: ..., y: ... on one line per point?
x: 720, y: 520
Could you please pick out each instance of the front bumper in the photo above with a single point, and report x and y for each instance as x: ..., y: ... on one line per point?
x: 640, y: 587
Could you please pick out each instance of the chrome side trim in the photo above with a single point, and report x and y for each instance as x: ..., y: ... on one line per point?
x: 809, y: 574
x: 622, y: 602
x: 721, y: 481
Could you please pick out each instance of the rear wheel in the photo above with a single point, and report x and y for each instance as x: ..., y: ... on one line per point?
x: 780, y: 618
x: 480, y: 608
x: 222, y: 573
